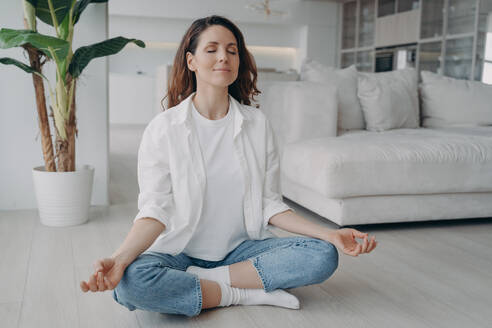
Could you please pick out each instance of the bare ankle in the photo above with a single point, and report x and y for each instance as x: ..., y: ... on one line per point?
x: 244, y: 275
x: 211, y: 293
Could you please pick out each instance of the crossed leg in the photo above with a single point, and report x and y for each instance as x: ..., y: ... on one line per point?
x: 158, y: 283
x: 283, y: 263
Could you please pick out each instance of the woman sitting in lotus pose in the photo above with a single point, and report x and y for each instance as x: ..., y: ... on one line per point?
x: 208, y: 172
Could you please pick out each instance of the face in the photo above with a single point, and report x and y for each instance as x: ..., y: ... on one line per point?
x: 216, y: 59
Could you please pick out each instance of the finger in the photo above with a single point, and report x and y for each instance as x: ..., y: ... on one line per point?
x: 100, y: 282
x: 359, y: 249
x: 365, y: 244
x: 355, y: 251
x: 375, y: 244
x: 108, y: 283
x: 372, y: 244
x: 93, y: 284
x: 84, y: 286
x: 359, y: 234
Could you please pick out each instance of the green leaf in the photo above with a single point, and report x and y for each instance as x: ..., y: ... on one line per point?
x: 84, y: 55
x: 17, y: 38
x: 64, y: 28
x: 80, y: 7
x: 61, y: 8
x: 11, y: 61
x: 24, y: 67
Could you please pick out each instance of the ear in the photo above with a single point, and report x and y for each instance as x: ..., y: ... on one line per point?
x: 189, y: 61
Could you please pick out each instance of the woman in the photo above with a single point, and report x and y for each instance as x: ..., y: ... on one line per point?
x: 208, y: 173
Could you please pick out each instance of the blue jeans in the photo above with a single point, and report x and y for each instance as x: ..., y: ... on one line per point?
x: 159, y: 282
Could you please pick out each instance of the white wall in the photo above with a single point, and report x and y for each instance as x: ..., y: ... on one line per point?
x: 309, y: 30
x: 20, y: 151
x: 310, y: 26
x: 135, y: 59
x: 134, y: 106
x: 299, y: 12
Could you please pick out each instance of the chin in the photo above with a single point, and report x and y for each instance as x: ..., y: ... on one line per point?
x: 222, y: 84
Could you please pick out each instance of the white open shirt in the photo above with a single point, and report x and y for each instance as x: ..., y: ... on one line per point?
x: 171, y: 173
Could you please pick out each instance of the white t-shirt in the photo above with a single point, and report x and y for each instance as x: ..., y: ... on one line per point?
x: 221, y: 227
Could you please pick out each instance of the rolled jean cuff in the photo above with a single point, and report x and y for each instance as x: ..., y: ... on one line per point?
x: 261, y: 274
x: 198, y: 291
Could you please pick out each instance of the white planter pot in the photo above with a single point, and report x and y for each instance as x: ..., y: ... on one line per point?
x: 63, y: 197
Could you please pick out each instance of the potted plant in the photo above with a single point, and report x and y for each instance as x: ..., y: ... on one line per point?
x: 63, y: 191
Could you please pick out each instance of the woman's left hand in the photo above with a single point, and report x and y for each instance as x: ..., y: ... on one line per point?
x: 344, y: 239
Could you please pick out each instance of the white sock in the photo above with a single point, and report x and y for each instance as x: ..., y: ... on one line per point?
x: 278, y: 297
x: 218, y: 274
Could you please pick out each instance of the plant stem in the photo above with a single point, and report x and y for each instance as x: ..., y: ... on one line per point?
x: 44, y: 127
x: 37, y: 79
x: 70, y: 36
x: 70, y: 95
x: 53, y: 17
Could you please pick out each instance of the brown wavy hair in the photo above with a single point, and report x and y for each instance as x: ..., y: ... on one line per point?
x: 182, y: 81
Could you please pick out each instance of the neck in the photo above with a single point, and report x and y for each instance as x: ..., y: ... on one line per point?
x: 212, y: 102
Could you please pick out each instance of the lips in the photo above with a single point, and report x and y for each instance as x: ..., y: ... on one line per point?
x: 222, y: 69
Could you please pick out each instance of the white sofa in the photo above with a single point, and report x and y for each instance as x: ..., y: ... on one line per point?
x: 355, y: 176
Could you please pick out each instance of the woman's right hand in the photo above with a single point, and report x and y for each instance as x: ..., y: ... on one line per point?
x: 107, y: 274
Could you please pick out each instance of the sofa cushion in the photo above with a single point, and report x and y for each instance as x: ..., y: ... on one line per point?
x: 389, y: 100
x: 299, y: 110
x: 452, y: 102
x: 400, y: 161
x: 350, y: 114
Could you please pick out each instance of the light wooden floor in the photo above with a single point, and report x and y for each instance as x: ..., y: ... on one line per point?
x: 428, y: 274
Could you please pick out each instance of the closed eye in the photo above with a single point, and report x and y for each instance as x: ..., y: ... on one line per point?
x: 233, y: 53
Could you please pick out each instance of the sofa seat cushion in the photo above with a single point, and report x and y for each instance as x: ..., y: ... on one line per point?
x: 400, y: 161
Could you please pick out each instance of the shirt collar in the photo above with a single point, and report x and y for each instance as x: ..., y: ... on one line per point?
x: 184, y: 108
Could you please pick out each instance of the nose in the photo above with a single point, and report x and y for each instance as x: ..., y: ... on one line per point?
x: 222, y: 56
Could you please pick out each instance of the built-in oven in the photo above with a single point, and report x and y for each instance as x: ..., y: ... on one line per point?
x: 393, y: 58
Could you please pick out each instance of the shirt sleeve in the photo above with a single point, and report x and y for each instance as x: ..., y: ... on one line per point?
x: 272, y: 195
x: 155, y: 198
